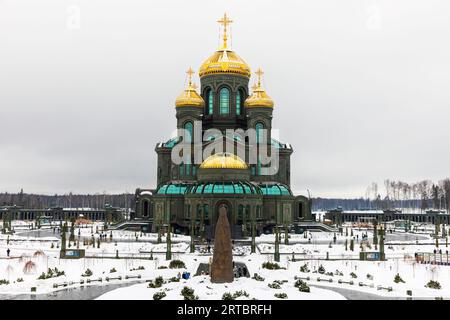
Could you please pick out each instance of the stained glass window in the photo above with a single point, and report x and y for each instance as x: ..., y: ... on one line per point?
x: 224, y: 101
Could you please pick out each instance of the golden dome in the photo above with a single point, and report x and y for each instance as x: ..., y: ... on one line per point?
x: 259, y: 97
x: 223, y: 161
x: 189, y: 97
x: 224, y: 60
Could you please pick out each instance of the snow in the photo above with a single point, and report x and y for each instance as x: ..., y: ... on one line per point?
x: 27, y: 246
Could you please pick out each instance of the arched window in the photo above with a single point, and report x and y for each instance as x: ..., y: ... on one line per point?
x: 224, y: 104
x: 210, y: 100
x: 238, y: 102
x: 146, y: 208
x: 259, y: 133
x: 189, y: 131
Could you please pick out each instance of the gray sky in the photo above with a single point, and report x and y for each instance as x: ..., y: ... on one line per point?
x: 361, y: 87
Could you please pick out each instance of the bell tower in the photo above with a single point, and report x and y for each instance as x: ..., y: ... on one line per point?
x: 224, y: 78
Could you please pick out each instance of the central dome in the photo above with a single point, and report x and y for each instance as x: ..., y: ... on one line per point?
x: 224, y: 61
x: 223, y: 161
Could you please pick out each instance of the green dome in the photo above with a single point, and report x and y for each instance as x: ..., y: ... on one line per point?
x: 275, y: 189
x: 172, y: 188
x: 239, y: 187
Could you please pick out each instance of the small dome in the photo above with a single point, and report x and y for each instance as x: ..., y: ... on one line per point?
x: 223, y: 161
x: 224, y: 61
x: 259, y: 98
x: 275, y: 189
x: 173, y: 187
x: 189, y: 98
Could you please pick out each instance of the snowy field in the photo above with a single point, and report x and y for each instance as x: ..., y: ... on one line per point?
x: 35, y: 252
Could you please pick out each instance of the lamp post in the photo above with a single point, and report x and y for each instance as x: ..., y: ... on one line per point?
x: 192, y: 246
x: 169, y: 244
x: 253, y: 246
x: 277, y: 246
x: 382, y: 233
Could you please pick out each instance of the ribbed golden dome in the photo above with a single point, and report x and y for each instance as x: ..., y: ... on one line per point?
x: 224, y: 61
x: 223, y: 161
x: 189, y: 97
x: 259, y: 97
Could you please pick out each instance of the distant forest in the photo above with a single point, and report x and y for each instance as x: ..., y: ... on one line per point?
x: 38, y: 201
x: 417, y: 196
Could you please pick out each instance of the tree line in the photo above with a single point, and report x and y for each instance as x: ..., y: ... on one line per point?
x: 395, y: 194
x: 39, y: 201
x: 416, y: 196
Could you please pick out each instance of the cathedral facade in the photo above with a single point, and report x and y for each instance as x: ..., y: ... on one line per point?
x: 189, y: 193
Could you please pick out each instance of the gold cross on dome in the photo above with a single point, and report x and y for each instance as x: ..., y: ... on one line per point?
x: 225, y: 22
x: 190, y: 72
x: 259, y: 73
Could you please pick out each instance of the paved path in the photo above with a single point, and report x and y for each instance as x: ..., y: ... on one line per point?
x: 76, y: 293
x: 356, y: 295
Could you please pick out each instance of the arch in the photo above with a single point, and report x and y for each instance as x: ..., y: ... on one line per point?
x: 227, y: 204
x: 224, y: 101
x: 259, y: 126
x: 206, y: 214
x: 240, y: 214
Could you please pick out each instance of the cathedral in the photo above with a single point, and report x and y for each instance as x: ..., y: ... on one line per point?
x: 189, y: 193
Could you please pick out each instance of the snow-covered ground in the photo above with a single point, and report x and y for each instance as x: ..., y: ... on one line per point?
x: 41, y: 249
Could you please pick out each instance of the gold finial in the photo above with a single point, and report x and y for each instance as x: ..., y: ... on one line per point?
x: 225, y: 21
x: 259, y: 73
x: 190, y: 72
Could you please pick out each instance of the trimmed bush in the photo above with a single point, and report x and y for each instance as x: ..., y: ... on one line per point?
x: 138, y: 268
x: 4, y: 281
x: 302, y: 286
x: 240, y: 293
x: 321, y: 269
x: 257, y: 277
x: 274, y: 285
x: 188, y: 294
x: 304, y: 268
x: 433, y: 285
x: 234, y: 296
x: 159, y: 295
x: 353, y: 275
x: 280, y: 295
x: 398, y: 279
x: 112, y: 270
x: 227, y: 296
x: 51, y: 273
x: 177, y: 264
x: 174, y: 279
x: 87, y: 273
x: 271, y: 265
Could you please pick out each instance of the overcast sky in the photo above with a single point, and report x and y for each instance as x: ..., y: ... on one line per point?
x: 361, y: 87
